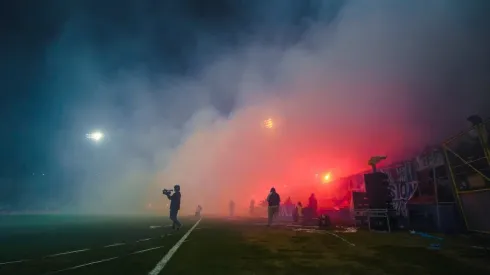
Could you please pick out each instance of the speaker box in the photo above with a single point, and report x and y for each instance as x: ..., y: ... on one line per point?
x: 360, y: 200
x: 379, y: 223
x: 377, y: 190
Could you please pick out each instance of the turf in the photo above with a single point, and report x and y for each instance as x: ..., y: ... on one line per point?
x: 24, y: 238
x: 249, y: 249
x: 224, y: 247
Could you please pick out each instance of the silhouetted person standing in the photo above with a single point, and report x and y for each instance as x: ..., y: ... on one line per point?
x: 175, y: 207
x: 198, y: 211
x: 298, y: 212
x: 313, y: 205
x: 273, y: 201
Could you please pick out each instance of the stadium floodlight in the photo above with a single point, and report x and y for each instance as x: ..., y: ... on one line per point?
x: 268, y: 123
x: 96, y: 136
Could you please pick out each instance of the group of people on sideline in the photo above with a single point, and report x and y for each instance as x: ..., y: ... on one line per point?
x: 273, y: 203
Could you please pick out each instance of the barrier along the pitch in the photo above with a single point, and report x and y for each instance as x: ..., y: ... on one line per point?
x: 467, y: 156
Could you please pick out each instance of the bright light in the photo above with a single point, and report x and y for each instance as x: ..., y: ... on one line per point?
x: 326, y: 177
x: 268, y: 123
x: 95, y: 136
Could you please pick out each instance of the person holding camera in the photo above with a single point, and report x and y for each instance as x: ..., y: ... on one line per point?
x: 174, y: 206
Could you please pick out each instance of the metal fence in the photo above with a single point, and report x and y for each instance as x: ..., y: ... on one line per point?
x: 467, y: 158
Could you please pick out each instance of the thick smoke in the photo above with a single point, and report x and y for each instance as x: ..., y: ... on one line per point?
x: 340, y: 83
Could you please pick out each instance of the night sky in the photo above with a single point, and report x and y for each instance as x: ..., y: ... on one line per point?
x: 50, y: 49
x: 165, y: 35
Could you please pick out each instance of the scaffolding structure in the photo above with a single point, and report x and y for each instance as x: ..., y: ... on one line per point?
x: 467, y: 158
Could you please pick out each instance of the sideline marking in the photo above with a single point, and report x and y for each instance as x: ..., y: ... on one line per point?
x: 143, y: 240
x: 114, y: 244
x: 161, y: 264
x: 337, y: 236
x: 13, y: 262
x: 82, y: 265
x: 82, y: 250
x: 65, y: 253
x: 145, y: 250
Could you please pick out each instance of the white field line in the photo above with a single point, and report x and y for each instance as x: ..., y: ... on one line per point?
x: 114, y: 244
x: 66, y: 253
x: 102, y: 261
x: 145, y: 250
x: 337, y: 236
x: 83, y: 250
x: 143, y: 240
x: 83, y: 265
x: 14, y: 262
x: 161, y: 264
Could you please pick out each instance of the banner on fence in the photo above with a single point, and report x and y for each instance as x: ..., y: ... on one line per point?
x: 432, y: 159
x: 401, y: 193
x: 286, y: 210
x: 402, y: 185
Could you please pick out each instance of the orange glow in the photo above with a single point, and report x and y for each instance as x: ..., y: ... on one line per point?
x: 268, y: 123
x: 326, y: 178
x: 273, y: 145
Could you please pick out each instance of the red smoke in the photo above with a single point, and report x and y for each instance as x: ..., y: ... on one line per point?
x: 240, y: 159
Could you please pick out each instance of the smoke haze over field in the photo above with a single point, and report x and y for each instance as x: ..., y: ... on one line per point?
x: 182, y: 92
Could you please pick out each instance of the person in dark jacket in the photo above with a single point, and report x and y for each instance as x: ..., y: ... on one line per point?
x: 313, y: 205
x: 175, y: 207
x: 273, y: 200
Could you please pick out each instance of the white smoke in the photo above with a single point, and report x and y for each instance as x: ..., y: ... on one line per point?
x: 380, y: 77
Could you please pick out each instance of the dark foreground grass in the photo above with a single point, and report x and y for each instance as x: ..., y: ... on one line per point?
x: 235, y: 247
x: 28, y: 237
x: 238, y: 248
x: 26, y: 240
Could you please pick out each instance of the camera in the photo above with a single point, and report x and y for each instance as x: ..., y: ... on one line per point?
x: 167, y: 192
